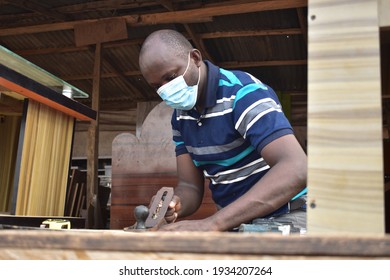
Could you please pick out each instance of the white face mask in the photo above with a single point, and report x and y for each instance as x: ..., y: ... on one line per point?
x: 177, y: 94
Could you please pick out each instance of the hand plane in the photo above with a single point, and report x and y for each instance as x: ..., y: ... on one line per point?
x: 151, y: 219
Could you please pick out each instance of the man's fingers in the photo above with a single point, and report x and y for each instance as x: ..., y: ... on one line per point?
x: 171, y: 218
x: 174, y: 206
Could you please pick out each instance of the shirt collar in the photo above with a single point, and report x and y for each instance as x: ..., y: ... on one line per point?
x: 212, y: 84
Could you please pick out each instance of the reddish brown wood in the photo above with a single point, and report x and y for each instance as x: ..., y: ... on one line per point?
x: 132, y: 191
x: 142, y: 165
x: 105, y: 30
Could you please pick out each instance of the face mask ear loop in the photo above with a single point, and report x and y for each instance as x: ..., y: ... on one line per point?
x: 198, y: 77
x: 188, y: 63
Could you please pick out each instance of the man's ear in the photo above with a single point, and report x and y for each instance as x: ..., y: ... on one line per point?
x: 196, y: 55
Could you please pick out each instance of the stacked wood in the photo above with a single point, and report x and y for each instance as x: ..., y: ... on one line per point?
x: 76, y: 194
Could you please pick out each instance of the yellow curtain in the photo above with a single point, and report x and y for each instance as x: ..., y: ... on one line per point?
x: 45, y: 162
x: 9, y: 135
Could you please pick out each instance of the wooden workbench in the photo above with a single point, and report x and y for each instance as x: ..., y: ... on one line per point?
x: 116, y: 244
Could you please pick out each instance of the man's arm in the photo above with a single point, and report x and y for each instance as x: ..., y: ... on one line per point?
x: 189, y: 191
x: 285, y: 179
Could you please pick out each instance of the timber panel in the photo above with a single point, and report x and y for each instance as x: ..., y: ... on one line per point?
x: 345, y: 167
x: 131, y: 191
x: 117, y: 244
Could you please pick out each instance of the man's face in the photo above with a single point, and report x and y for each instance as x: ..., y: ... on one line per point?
x: 159, y: 66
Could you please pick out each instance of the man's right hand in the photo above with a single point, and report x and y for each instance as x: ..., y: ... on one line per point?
x: 173, y: 210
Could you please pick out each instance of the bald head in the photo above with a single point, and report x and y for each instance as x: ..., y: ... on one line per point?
x: 171, y: 42
x: 164, y: 54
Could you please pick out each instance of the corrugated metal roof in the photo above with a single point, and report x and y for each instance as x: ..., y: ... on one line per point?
x: 269, y: 44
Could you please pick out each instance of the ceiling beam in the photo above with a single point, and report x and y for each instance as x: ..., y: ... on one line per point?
x: 184, y: 16
x: 104, y: 5
x: 227, y: 65
x: 246, y: 64
x: 302, y: 23
x: 56, y: 26
x: 250, y: 33
x: 187, y: 16
x: 129, y: 42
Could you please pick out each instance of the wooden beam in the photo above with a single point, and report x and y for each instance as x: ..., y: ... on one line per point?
x: 93, y: 146
x: 250, y: 33
x: 100, y: 32
x: 107, y: 45
x: 130, y: 42
x: 103, y: 5
x: 68, y: 25
x: 302, y: 24
x: 244, y: 64
x: 345, y: 158
x: 227, y: 65
x: 185, y: 16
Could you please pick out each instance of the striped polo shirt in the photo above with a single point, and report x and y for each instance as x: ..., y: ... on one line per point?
x: 241, y: 116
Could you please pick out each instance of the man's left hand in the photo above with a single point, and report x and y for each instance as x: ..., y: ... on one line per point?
x: 189, y: 225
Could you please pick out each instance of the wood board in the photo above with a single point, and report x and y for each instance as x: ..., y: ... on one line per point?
x: 116, y: 244
x: 345, y: 159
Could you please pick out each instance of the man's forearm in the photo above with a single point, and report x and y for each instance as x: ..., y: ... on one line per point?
x: 269, y: 194
x: 190, y: 198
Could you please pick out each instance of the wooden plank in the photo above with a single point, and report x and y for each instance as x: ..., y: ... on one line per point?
x: 138, y: 190
x: 80, y: 200
x: 345, y: 167
x: 93, y: 146
x: 105, y: 30
x: 220, y: 244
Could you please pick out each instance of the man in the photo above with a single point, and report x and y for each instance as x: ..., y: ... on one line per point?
x: 228, y: 127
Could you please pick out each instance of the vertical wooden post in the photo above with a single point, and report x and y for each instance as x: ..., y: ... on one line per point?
x: 93, y: 148
x: 345, y: 168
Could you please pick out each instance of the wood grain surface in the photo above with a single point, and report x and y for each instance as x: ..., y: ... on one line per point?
x: 115, y: 244
x: 345, y: 169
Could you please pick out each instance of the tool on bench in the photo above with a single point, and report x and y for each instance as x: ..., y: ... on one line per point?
x: 56, y: 224
x: 268, y: 225
x: 151, y: 219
